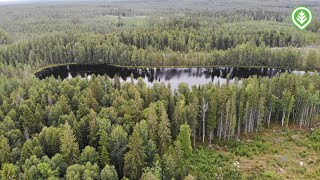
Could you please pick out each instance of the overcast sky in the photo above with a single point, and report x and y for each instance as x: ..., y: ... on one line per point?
x: 6, y: 0
x: 14, y: 0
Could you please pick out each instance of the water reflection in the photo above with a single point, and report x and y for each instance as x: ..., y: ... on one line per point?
x: 174, y: 76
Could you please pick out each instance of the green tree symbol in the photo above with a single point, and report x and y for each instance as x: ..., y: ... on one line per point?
x: 301, y: 17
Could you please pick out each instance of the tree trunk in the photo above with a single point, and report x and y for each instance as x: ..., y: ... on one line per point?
x: 203, y: 128
x: 204, y: 109
x: 220, y: 129
x: 250, y: 120
x: 269, y: 118
x: 239, y: 127
x: 246, y: 122
x: 282, y: 120
x: 301, y: 118
x: 194, y: 137
x: 258, y: 120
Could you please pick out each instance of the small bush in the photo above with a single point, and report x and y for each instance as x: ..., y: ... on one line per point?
x: 207, y: 164
x: 315, y: 139
x: 259, y: 174
x: 257, y: 146
x: 303, y: 154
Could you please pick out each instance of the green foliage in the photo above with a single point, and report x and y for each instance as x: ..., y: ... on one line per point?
x: 170, y: 164
x: 89, y: 154
x: 109, y: 173
x: 135, y: 130
x: 5, y: 150
x: 262, y: 175
x: 59, y: 164
x: 69, y: 147
x: 88, y: 171
x: 146, y: 47
x: 184, y: 139
x: 4, y: 37
x: 154, y: 172
x: 45, y: 170
x: 9, y: 171
x: 118, y: 142
x: 134, y: 159
x: 50, y: 140
x: 315, y: 139
x: 31, y: 147
x: 207, y: 164
x: 250, y: 148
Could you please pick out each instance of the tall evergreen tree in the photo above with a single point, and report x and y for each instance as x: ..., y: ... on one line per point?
x: 184, y: 139
x: 9, y: 171
x: 69, y: 146
x: 118, y: 142
x: 164, y: 131
x: 5, y: 150
x: 134, y: 160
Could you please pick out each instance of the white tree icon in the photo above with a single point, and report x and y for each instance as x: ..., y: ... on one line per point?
x: 302, y: 17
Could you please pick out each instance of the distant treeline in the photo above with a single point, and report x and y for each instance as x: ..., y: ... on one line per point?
x: 182, y: 44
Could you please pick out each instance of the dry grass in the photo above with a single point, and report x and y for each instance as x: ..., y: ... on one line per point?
x: 287, y: 150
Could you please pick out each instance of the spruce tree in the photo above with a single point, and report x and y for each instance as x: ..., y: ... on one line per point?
x: 184, y: 139
x: 134, y: 160
x: 69, y: 146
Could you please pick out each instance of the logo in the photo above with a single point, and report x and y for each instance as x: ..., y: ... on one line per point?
x: 301, y: 17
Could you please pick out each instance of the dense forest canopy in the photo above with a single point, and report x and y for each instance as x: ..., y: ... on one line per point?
x: 102, y: 128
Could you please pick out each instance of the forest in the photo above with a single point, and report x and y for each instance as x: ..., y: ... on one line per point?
x: 103, y: 128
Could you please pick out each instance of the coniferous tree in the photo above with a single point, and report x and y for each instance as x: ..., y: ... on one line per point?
x: 5, y: 150
x: 9, y: 171
x: 103, y: 147
x: 69, y: 146
x: 134, y: 159
x: 184, y: 139
x: 118, y: 143
x: 109, y: 173
x: 164, y: 132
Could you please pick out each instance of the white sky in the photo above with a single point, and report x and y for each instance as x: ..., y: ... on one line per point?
x: 8, y: 0
x: 12, y: 0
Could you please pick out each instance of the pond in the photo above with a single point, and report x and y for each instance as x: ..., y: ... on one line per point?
x: 174, y: 76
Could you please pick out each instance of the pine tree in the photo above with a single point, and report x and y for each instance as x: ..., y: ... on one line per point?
x: 134, y: 160
x: 28, y: 120
x: 152, y: 122
x: 93, y: 128
x: 9, y: 171
x: 89, y: 154
x: 164, y: 132
x: 97, y: 89
x: 103, y: 147
x: 91, y: 101
x: 104, y: 157
x: 50, y: 140
x: 179, y: 115
x: 69, y: 146
x: 118, y: 142
x: 184, y: 139
x: 170, y: 164
x: 137, y: 107
x: 31, y: 147
x: 5, y: 150
x: 109, y: 173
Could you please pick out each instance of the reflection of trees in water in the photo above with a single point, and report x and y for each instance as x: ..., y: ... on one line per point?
x: 168, y: 75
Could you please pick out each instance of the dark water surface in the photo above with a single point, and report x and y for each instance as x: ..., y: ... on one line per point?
x: 174, y: 76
